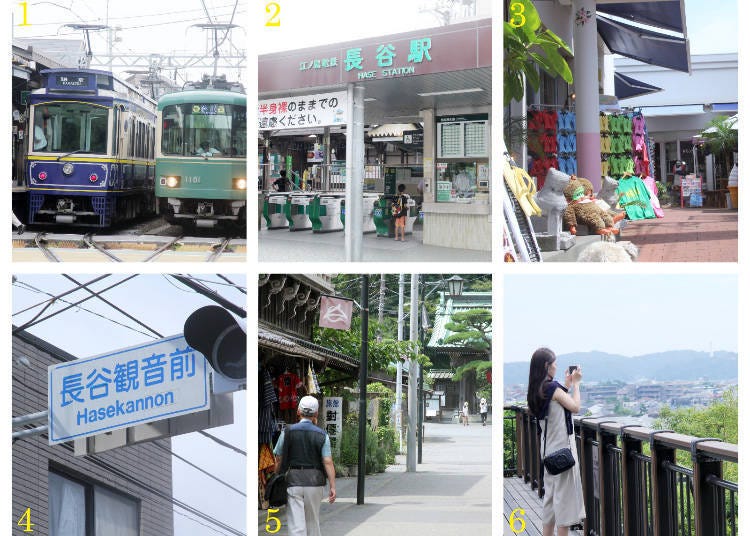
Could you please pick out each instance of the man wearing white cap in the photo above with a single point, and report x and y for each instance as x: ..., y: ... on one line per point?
x: 305, y: 451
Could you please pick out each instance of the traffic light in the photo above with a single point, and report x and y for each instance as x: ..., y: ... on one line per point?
x: 215, y: 333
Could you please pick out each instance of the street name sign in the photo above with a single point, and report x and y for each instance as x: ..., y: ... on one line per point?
x: 140, y: 384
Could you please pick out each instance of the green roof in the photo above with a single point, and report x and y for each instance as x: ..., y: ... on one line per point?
x: 202, y: 96
x: 448, y: 307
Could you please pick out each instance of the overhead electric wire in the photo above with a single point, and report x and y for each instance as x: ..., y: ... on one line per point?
x: 54, y: 297
x: 191, y: 464
x: 223, y: 443
x: 115, y: 307
x: 217, y: 531
x: 74, y: 304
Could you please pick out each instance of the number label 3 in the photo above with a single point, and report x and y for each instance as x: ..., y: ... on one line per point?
x: 518, y: 19
x: 273, y: 9
x: 517, y: 524
x: 25, y: 521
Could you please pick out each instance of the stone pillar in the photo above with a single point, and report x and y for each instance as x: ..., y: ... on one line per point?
x: 586, y: 80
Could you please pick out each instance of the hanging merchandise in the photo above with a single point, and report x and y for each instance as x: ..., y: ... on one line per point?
x: 523, y: 188
x: 635, y: 198
x: 517, y: 222
x: 543, y: 141
x: 267, y: 400
x: 311, y: 382
x: 650, y: 183
x: 566, y: 142
x: 287, y: 385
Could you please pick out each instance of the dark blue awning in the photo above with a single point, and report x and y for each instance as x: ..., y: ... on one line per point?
x: 627, y: 87
x: 667, y: 15
x: 644, y: 45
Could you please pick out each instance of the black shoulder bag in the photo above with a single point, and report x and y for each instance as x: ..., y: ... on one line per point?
x: 276, y: 486
x: 560, y: 460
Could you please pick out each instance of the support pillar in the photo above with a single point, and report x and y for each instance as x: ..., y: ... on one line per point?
x: 355, y: 165
x: 325, y: 177
x: 586, y: 80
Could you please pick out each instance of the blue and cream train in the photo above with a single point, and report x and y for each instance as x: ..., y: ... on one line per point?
x: 91, y: 156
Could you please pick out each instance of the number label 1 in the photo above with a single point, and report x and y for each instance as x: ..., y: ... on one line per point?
x: 517, y: 524
x: 25, y: 13
x: 273, y: 9
x: 518, y: 19
x: 25, y: 521
x: 275, y: 519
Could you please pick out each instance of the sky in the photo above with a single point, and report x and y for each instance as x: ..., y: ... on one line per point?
x: 334, y: 21
x: 712, y: 26
x: 147, y: 26
x: 620, y: 314
x: 163, y: 304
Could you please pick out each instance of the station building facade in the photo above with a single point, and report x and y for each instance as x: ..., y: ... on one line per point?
x: 427, y: 103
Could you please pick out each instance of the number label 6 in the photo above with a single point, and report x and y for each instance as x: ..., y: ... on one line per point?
x: 517, y: 524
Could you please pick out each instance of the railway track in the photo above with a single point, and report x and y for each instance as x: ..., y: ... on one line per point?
x: 41, y: 243
x: 90, y: 247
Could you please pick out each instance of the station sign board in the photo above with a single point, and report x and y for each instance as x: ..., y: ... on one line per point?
x: 145, y: 383
x: 333, y: 408
x: 303, y: 111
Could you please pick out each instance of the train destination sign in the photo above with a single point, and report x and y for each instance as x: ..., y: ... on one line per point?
x: 144, y: 383
x: 72, y: 81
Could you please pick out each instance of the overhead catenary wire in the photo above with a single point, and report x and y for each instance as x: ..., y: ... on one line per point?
x: 223, y: 443
x: 191, y: 464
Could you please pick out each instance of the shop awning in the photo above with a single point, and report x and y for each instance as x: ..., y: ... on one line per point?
x: 644, y: 45
x: 290, y: 345
x: 627, y: 87
x: 669, y: 15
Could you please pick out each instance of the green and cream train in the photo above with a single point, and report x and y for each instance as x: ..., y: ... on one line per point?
x: 201, y: 153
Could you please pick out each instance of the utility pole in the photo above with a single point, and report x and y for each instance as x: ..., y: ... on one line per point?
x: 364, y: 311
x: 411, y: 441
x: 381, y: 306
x: 399, y: 365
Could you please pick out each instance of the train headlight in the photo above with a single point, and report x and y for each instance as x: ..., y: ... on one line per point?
x: 67, y: 168
x: 170, y: 182
x: 239, y: 184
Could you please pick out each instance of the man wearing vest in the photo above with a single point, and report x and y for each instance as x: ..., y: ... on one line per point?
x: 305, y: 451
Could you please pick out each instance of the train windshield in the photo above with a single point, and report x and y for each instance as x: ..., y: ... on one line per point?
x: 204, y: 130
x: 64, y: 127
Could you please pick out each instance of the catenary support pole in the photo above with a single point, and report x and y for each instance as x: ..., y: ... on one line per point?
x: 586, y: 80
x: 399, y: 364
x: 363, y: 391
x: 355, y: 165
x: 411, y: 442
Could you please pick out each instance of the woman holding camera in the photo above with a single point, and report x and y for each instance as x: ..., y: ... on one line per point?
x: 553, y: 405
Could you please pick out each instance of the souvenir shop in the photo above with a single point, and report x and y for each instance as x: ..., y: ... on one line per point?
x: 628, y: 190
x: 288, y: 361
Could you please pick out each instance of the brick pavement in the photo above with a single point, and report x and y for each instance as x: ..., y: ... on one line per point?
x: 686, y: 235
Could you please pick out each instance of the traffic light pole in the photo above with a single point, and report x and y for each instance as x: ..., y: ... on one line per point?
x: 361, y: 469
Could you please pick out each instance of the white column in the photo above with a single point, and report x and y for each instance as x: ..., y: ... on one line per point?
x: 586, y: 80
x: 355, y: 165
x: 412, y: 405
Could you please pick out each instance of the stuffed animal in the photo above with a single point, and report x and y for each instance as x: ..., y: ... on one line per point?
x: 552, y: 200
x: 582, y: 209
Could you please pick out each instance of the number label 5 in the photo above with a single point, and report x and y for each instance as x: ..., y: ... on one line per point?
x: 517, y: 524
x: 273, y: 9
x: 270, y: 518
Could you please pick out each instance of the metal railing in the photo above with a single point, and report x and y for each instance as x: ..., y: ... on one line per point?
x: 632, y: 481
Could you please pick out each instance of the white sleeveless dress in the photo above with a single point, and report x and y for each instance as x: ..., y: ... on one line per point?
x: 563, y: 493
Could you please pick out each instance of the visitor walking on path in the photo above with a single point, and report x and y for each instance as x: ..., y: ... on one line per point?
x: 483, y: 411
x: 304, y: 453
x: 465, y: 414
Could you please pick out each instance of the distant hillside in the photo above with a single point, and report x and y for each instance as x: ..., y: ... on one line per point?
x: 664, y: 366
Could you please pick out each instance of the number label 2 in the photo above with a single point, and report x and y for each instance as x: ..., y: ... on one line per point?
x: 273, y: 9
x: 25, y: 521
x: 270, y: 518
x: 518, y: 19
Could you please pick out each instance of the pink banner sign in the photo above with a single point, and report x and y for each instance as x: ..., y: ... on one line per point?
x: 335, y: 313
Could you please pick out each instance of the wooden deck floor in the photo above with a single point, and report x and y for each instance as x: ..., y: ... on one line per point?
x: 517, y: 494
